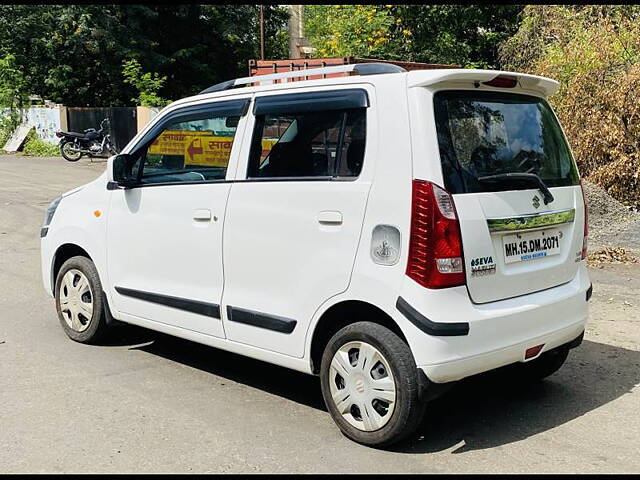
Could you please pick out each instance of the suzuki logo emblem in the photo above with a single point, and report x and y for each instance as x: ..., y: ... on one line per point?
x: 535, y: 201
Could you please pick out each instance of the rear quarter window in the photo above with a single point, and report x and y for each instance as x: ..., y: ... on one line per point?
x: 490, y: 133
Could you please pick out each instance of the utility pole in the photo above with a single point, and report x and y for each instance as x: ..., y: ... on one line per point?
x: 296, y: 30
x: 261, y: 32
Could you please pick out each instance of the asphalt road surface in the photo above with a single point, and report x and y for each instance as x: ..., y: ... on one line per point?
x: 147, y: 402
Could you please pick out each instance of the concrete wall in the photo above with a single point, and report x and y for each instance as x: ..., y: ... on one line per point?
x: 46, y: 120
x: 145, y: 115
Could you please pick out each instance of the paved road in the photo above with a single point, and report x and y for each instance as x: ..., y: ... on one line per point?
x: 151, y: 403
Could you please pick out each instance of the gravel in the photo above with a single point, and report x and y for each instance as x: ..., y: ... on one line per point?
x: 611, y: 223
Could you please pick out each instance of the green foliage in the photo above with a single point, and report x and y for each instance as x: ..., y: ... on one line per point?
x: 466, y: 35
x: 35, y: 147
x: 7, y: 126
x: 147, y: 84
x: 73, y: 54
x: 349, y: 30
x: 13, y: 89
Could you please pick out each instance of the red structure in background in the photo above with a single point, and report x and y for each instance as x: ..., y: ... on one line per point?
x: 265, y: 67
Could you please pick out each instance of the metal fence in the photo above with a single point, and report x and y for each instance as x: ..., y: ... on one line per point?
x: 123, y: 121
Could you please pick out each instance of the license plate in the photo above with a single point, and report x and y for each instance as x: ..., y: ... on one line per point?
x: 531, y: 245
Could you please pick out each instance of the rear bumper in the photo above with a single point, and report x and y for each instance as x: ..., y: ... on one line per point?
x: 499, y: 333
x: 450, y: 371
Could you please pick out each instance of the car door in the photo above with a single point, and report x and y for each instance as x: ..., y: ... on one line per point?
x: 164, y: 235
x: 295, y: 214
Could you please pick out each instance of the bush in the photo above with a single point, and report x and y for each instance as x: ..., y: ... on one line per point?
x: 35, y: 147
x: 594, y: 51
x: 6, y: 128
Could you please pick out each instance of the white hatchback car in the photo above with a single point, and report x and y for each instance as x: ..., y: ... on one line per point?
x: 389, y: 231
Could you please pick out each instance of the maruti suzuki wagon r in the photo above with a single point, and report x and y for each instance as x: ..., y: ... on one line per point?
x: 389, y: 231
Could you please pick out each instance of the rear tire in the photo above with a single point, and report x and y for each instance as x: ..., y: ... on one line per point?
x: 68, y: 154
x: 79, y: 301
x: 547, y: 364
x: 372, y: 395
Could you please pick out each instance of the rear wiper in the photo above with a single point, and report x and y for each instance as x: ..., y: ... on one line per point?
x: 530, y: 178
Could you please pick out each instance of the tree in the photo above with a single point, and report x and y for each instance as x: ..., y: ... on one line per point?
x: 147, y: 84
x: 13, y: 97
x: 13, y: 88
x: 350, y: 30
x: 594, y: 52
x: 466, y: 35
x: 73, y: 54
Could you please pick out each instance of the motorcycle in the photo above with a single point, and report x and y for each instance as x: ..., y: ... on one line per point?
x: 91, y: 142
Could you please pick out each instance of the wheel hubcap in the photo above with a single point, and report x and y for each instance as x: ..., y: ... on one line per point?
x: 362, y: 386
x: 76, y: 300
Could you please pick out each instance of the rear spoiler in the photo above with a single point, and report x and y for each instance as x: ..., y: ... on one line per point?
x: 428, y: 78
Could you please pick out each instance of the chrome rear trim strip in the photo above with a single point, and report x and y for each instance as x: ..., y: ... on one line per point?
x: 531, y: 221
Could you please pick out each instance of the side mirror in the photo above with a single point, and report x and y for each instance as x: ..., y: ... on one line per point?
x: 121, y: 171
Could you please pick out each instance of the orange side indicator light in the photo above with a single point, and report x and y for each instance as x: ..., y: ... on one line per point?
x: 97, y: 213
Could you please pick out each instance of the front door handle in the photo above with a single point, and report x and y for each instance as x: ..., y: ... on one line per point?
x: 330, y: 217
x: 202, y: 215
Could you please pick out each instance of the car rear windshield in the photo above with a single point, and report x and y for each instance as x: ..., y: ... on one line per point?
x: 492, y: 133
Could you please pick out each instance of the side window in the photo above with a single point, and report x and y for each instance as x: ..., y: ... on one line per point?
x: 193, y: 149
x: 309, y: 144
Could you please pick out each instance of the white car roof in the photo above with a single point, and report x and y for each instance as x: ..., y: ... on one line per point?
x: 415, y: 78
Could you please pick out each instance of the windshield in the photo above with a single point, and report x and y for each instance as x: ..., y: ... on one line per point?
x: 492, y: 133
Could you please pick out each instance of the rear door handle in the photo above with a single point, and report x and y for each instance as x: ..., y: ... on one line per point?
x: 330, y: 217
x: 202, y: 215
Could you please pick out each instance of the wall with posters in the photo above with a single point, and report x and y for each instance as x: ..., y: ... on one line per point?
x: 46, y: 121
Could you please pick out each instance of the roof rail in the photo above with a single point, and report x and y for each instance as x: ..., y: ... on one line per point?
x: 357, y: 68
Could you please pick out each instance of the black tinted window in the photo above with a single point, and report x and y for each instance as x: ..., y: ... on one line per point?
x: 489, y: 133
x: 310, y: 144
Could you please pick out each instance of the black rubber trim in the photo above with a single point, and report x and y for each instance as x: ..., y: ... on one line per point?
x: 193, y: 306
x: 575, y: 342
x: 589, y: 292
x: 261, y: 320
x: 428, y: 326
x: 320, y: 101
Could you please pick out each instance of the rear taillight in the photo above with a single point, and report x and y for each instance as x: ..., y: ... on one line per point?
x: 59, y: 134
x: 435, y: 244
x: 586, y: 223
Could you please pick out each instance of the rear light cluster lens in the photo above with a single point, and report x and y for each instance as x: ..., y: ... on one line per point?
x: 502, y: 81
x: 435, y: 245
x: 586, y: 223
x: 59, y: 134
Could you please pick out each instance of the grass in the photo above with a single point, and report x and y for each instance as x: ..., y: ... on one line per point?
x: 35, y: 147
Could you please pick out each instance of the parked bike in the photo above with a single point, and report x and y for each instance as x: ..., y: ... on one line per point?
x: 91, y: 142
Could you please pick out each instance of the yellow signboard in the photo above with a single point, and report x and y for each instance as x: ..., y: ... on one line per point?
x: 198, y: 147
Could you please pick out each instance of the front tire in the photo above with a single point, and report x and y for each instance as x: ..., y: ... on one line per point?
x: 68, y: 153
x: 370, y: 384
x: 79, y: 300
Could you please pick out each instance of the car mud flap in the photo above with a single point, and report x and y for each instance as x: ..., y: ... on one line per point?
x: 429, y: 390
